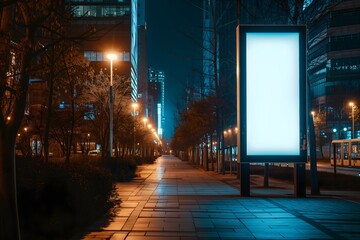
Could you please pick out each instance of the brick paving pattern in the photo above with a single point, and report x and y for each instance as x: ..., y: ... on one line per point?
x: 173, y: 200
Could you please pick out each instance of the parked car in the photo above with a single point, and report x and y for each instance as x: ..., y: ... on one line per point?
x: 94, y: 153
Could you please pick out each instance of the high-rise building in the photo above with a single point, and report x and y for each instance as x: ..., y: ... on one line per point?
x: 156, y: 99
x: 114, y: 27
x: 142, y: 60
x: 207, y: 52
x: 334, y: 62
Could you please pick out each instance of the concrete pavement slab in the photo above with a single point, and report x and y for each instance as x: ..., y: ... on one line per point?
x: 172, y: 199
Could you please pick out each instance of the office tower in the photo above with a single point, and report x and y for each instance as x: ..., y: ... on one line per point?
x: 334, y: 63
x: 156, y: 99
x: 114, y: 25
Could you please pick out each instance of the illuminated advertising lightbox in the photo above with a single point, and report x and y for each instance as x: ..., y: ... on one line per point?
x: 272, y: 93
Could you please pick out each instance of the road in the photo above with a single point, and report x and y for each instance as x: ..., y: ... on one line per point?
x: 326, y: 167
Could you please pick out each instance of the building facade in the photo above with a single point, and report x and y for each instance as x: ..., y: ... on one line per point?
x: 334, y: 64
x: 114, y: 28
x: 142, y: 60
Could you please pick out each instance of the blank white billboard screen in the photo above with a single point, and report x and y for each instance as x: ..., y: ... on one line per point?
x: 272, y: 94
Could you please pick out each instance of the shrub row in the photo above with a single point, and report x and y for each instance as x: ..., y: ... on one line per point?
x: 56, y: 200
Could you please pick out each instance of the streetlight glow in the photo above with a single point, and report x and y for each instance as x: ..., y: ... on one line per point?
x: 145, y: 121
x: 352, y: 105
x: 134, y: 105
x: 111, y: 56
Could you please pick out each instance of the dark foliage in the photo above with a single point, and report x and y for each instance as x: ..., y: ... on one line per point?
x: 144, y: 160
x: 122, y: 169
x: 57, y: 200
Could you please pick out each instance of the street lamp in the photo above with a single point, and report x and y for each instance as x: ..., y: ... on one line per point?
x: 111, y: 57
x: 88, y: 142
x: 145, y: 121
x: 134, y: 105
x: 352, y: 105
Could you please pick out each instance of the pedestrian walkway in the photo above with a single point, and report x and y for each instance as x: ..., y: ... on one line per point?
x: 173, y: 200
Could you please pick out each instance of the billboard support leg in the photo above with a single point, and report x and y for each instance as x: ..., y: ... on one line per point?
x: 245, y: 179
x: 299, y: 180
x: 266, y: 175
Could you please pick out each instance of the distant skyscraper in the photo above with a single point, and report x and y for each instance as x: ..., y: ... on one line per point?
x: 226, y: 18
x: 208, y: 51
x: 156, y: 95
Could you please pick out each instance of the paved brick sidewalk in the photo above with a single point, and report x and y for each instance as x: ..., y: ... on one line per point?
x: 173, y: 200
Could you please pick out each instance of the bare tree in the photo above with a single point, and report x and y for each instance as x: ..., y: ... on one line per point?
x: 73, y: 72
x: 22, y: 25
x: 96, y: 95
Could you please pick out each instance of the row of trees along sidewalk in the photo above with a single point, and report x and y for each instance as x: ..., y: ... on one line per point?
x: 188, y: 134
x: 35, y: 42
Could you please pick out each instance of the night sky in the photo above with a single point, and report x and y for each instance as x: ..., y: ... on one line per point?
x: 174, y: 38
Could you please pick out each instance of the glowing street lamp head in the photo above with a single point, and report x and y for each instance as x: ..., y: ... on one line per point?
x: 145, y: 119
x: 135, y: 105
x: 149, y: 126
x: 312, y: 113
x: 111, y: 56
x: 351, y: 104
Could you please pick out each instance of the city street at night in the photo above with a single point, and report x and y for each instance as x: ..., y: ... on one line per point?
x: 172, y: 199
x: 179, y: 119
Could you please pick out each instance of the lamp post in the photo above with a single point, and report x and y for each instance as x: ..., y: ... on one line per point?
x: 145, y: 121
x: 111, y: 57
x: 88, y: 142
x: 135, y: 105
x: 352, y: 105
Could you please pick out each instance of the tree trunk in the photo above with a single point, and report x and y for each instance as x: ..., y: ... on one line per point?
x: 216, y: 84
x: 48, y: 118
x: 72, y: 127
x: 315, y: 190
x: 9, y: 222
x: 211, y: 152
